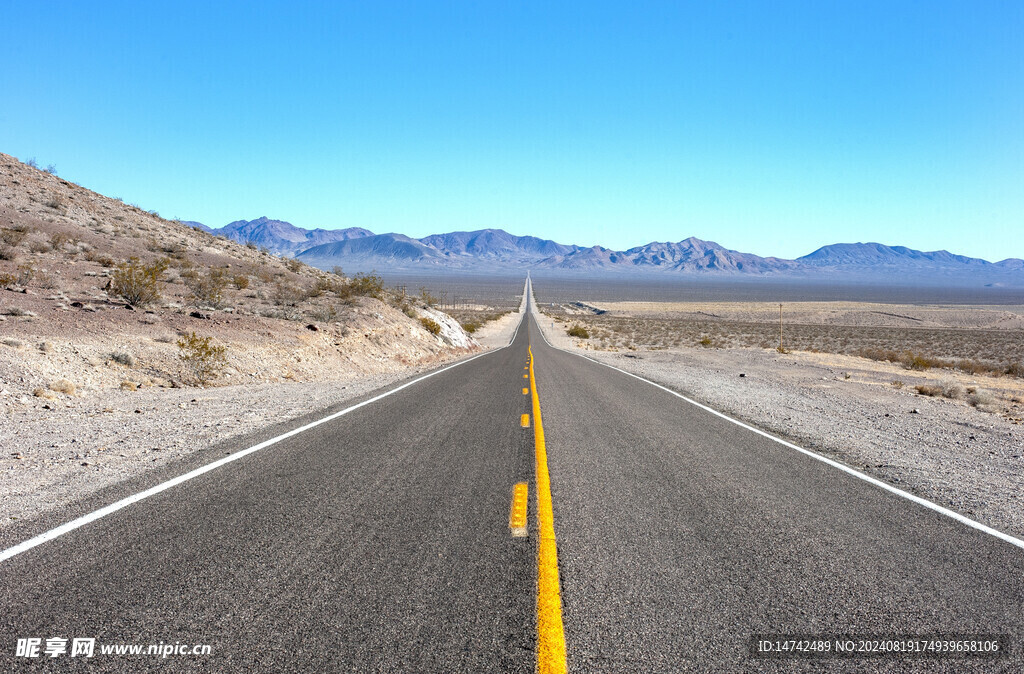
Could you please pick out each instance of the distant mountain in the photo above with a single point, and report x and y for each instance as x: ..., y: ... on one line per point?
x: 494, y: 250
x: 196, y: 225
x: 875, y: 254
x: 376, y: 251
x: 496, y: 244
x: 284, y: 238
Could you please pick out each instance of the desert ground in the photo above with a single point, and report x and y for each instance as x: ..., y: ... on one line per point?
x: 944, y: 424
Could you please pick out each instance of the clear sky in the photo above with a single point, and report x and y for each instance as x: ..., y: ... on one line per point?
x: 771, y: 127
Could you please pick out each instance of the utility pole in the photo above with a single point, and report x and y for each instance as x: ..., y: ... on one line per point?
x: 780, y: 329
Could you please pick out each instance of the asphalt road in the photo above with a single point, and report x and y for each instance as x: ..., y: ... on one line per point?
x: 379, y: 541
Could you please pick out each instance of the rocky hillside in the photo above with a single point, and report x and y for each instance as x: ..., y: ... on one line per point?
x: 98, y: 294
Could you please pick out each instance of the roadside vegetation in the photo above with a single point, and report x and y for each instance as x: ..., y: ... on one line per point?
x: 973, y: 351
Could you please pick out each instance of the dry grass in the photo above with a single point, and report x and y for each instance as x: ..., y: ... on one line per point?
x: 971, y: 350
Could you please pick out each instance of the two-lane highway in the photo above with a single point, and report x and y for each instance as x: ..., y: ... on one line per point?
x: 384, y: 540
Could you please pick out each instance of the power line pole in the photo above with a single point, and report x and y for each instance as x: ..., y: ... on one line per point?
x: 781, y: 350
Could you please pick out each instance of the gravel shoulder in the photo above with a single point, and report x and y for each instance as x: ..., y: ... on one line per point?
x: 55, y: 457
x: 847, y: 408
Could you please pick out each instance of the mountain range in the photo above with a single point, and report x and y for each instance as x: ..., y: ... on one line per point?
x: 494, y: 250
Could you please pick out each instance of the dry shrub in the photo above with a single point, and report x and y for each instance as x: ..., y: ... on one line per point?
x: 203, y: 360
x: 950, y: 390
x: 207, y: 289
x: 980, y: 399
x: 240, y: 281
x: 63, y: 386
x: 577, y: 330
x: 123, y: 358
x: 431, y: 326
x: 137, y: 283
x: 366, y: 285
x: 10, y: 239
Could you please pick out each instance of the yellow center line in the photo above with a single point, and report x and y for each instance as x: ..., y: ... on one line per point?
x: 525, y: 421
x: 517, y: 517
x: 550, y: 631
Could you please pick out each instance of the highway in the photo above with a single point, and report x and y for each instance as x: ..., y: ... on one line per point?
x: 380, y: 541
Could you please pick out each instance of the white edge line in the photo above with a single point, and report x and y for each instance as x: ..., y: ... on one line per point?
x: 835, y: 464
x: 163, y: 486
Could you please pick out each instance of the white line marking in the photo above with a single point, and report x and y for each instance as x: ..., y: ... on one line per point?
x: 835, y: 464
x: 125, y: 502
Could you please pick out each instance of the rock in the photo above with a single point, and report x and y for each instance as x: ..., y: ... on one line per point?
x: 77, y: 305
x: 915, y: 411
x: 742, y: 374
x: 200, y: 315
x: 312, y: 327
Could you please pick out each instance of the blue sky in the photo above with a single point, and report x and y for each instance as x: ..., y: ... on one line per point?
x: 770, y: 127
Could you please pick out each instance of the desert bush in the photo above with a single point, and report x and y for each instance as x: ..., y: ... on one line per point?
x: 207, y: 289
x: 471, y: 326
x: 164, y: 339
x: 1015, y: 370
x: 13, y: 343
x: 705, y: 341
x: 10, y: 239
x: 203, y: 360
x: 60, y: 239
x: 240, y: 281
x: 431, y: 326
x: 952, y: 390
x: 63, y: 386
x: 137, y: 283
x: 945, y: 390
x: 7, y: 280
x: 293, y: 265
x: 287, y: 294
x: 897, y: 384
x: 39, y: 247
x: 264, y: 275
x: 577, y: 330
x: 25, y: 274
x: 366, y: 284
x: 123, y: 358
x: 55, y: 202
x: 325, y: 314
x: 980, y: 399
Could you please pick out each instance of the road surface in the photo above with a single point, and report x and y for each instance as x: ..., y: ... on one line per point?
x: 379, y: 541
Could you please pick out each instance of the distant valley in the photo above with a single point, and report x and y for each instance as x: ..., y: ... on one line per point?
x: 496, y: 251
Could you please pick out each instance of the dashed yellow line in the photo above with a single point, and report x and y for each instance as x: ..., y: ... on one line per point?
x: 517, y: 516
x: 550, y: 631
x: 526, y: 391
x: 525, y: 421
x: 526, y: 376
